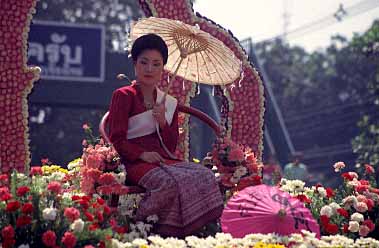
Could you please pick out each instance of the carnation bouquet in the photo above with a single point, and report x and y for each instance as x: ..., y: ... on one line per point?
x: 350, y: 210
x: 236, y: 166
x: 42, y: 210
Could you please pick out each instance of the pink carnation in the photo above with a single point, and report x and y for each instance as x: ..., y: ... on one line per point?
x: 361, y: 207
x: 55, y: 187
x: 364, y: 230
x: 69, y: 239
x: 339, y: 166
x: 71, y: 214
x: 36, y: 170
x: 106, y: 179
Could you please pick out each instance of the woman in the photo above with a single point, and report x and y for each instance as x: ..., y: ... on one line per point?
x: 143, y: 128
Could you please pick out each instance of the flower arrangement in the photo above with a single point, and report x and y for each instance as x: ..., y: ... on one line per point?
x: 306, y: 239
x: 100, y: 168
x: 236, y: 166
x: 351, y: 210
x: 41, y: 210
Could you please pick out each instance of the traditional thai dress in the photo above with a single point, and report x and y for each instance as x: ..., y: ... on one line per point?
x: 184, y: 195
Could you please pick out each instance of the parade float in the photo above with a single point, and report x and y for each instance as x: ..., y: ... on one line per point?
x: 86, y: 203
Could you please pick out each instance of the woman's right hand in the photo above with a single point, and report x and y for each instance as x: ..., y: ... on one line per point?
x: 151, y: 157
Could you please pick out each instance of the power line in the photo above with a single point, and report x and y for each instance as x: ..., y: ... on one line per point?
x: 351, y: 11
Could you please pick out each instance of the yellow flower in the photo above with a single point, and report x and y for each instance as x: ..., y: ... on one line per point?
x: 63, y: 170
x: 46, y: 169
x: 260, y: 244
x: 143, y: 246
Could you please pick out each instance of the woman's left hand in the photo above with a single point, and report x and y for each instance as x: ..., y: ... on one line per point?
x: 159, y: 114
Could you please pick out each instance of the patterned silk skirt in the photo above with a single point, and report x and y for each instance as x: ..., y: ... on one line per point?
x: 184, y: 196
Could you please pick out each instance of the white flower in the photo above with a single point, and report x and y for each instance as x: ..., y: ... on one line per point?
x: 240, y: 171
x: 326, y: 210
x: 353, y: 226
x: 334, y: 207
x: 139, y: 242
x: 321, y: 191
x: 77, y: 225
x: 24, y: 246
x: 234, y: 180
x: 349, y: 201
x: 357, y: 217
x: 353, y: 183
x: 49, y: 213
x: 152, y: 218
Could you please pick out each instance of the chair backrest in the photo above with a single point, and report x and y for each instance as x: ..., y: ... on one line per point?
x: 103, y: 126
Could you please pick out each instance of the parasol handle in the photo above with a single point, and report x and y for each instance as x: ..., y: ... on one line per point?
x: 172, y: 79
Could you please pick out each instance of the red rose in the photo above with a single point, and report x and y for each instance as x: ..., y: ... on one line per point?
x: 49, y: 238
x: 361, y: 188
x: 7, y: 232
x: 8, y: 243
x: 75, y: 198
x: 304, y: 198
x: 36, y: 170
x: 120, y: 229
x: 89, y: 216
x: 331, y: 229
x: 345, y: 228
x: 55, y: 187
x: 21, y: 191
x: 12, y: 206
x: 347, y: 176
x: 69, y: 239
x: 100, y: 201
x: 370, y: 204
x: 5, y: 196
x: 343, y: 212
x: 23, y: 220
x: 71, y: 214
x: 107, y: 210
x: 27, y: 208
x: 101, y: 244
x: 4, y: 178
x: 83, y: 203
x: 100, y: 216
x: 324, y: 220
x: 93, y: 227
x: 329, y: 192
x: 369, y: 169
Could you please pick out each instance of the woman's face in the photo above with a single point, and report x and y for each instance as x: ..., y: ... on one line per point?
x: 149, y: 67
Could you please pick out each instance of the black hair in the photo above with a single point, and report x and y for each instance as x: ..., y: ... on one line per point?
x: 149, y: 42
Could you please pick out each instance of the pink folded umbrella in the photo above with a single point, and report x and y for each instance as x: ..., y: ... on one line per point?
x: 266, y: 209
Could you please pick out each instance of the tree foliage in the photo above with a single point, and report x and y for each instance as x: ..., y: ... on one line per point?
x: 366, y: 144
x: 323, y: 94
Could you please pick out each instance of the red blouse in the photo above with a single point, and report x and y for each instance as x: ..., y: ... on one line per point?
x: 126, y: 102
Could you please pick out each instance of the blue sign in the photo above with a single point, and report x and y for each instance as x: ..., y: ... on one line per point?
x: 69, y: 52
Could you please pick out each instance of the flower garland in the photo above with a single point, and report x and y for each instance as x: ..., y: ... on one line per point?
x: 16, y: 82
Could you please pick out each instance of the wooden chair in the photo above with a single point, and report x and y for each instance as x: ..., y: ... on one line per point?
x: 103, y: 129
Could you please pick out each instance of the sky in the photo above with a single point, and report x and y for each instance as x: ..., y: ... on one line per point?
x: 263, y: 19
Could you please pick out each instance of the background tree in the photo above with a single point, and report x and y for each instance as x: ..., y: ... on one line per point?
x: 366, y: 144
